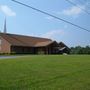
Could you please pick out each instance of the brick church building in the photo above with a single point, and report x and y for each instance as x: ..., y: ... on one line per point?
x: 20, y: 44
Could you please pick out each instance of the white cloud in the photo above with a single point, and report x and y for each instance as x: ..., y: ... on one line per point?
x: 49, y: 18
x: 53, y: 34
x: 73, y: 11
x: 66, y: 26
x: 7, y: 11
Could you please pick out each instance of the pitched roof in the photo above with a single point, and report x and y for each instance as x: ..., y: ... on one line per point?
x: 41, y: 44
x: 62, y: 45
x: 21, y: 40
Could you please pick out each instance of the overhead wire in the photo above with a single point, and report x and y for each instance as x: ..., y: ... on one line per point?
x: 86, y: 3
x: 80, y: 2
x: 41, y: 11
x: 74, y: 4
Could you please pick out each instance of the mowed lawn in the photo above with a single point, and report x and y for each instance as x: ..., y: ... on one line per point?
x: 50, y: 72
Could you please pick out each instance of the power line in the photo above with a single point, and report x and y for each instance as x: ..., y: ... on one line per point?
x: 74, y: 4
x: 38, y: 10
x: 86, y: 3
x: 80, y: 2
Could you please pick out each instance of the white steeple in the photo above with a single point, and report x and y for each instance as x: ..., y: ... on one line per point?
x: 5, y: 27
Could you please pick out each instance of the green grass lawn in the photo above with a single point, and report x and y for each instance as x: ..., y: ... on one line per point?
x: 45, y: 73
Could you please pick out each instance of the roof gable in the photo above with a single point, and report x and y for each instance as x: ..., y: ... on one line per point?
x: 21, y: 40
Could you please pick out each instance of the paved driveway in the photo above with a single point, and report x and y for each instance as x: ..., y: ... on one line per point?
x: 6, y: 57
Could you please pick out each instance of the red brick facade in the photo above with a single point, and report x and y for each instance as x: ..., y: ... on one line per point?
x: 4, y: 46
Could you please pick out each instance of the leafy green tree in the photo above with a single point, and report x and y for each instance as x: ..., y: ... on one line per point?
x: 80, y: 50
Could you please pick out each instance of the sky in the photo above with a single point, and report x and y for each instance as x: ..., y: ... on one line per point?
x: 25, y: 21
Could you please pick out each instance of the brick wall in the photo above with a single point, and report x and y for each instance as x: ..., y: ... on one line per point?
x: 4, y: 46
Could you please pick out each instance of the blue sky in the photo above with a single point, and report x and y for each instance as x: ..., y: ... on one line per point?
x: 23, y: 20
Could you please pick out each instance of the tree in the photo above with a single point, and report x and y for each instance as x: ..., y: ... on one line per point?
x: 80, y: 50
